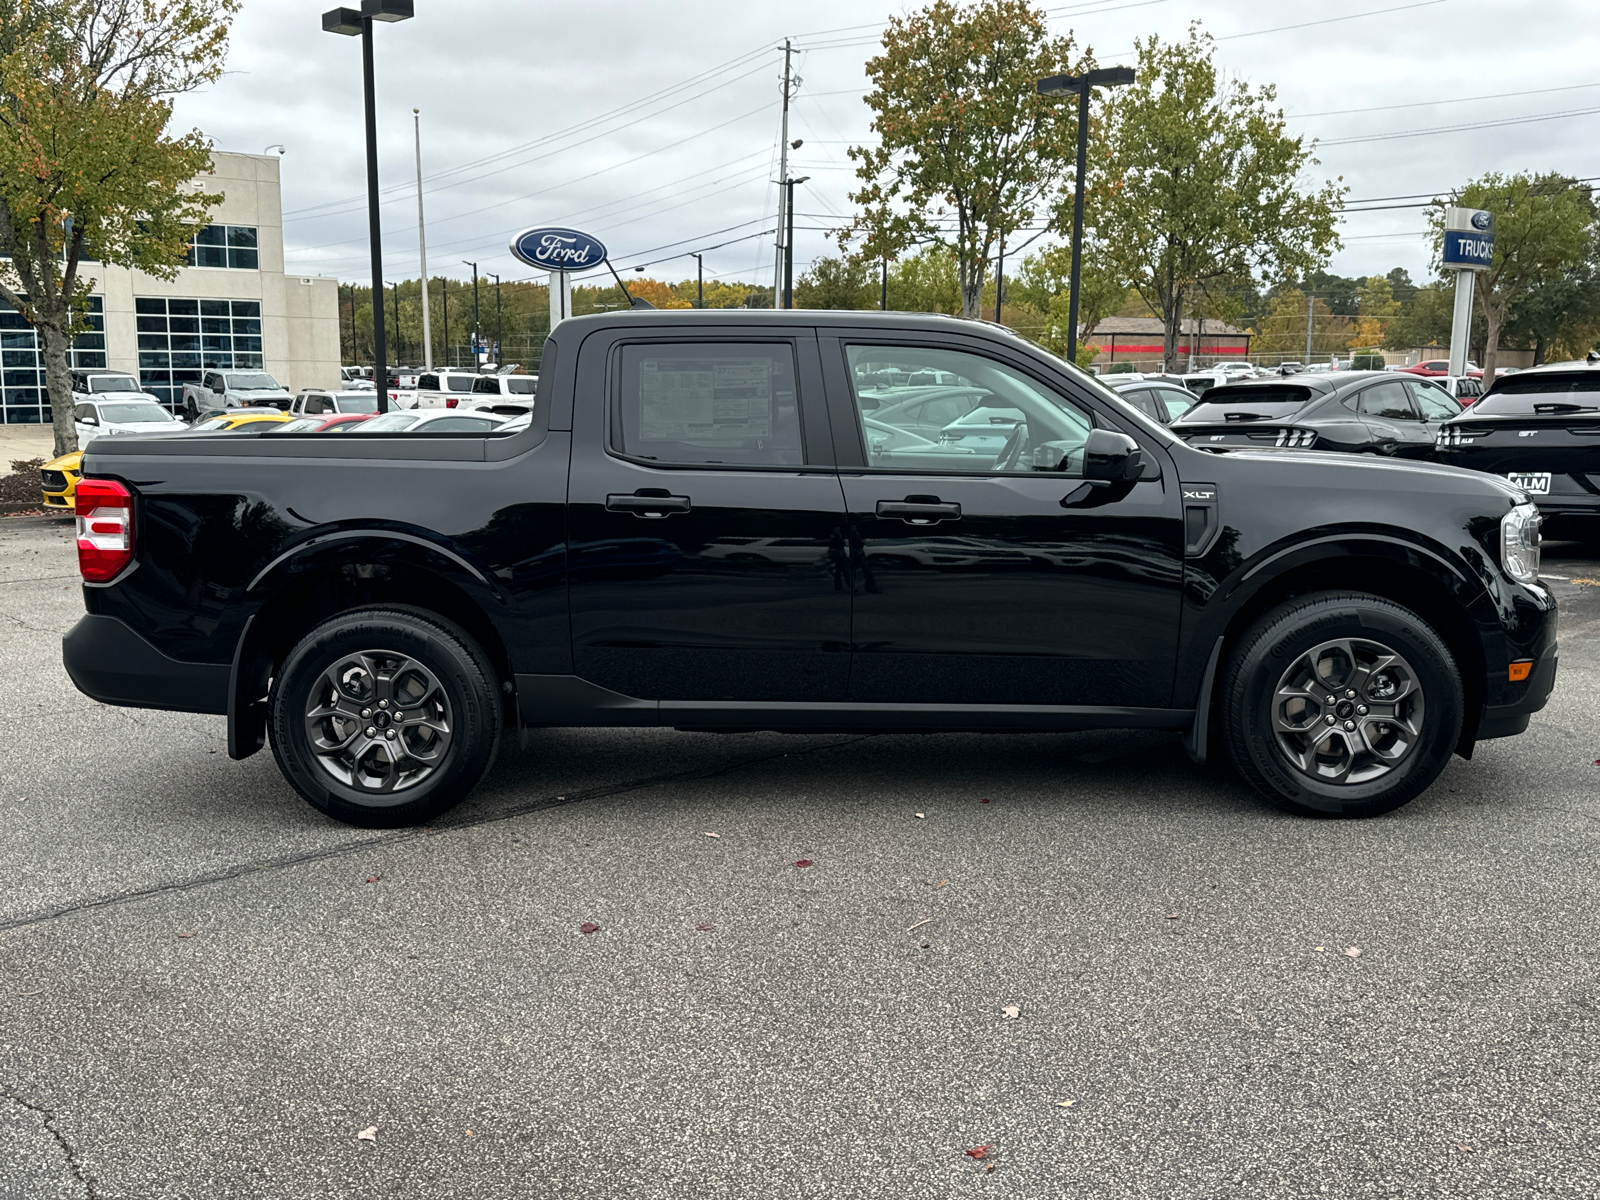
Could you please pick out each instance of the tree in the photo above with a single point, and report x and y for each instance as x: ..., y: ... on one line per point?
x: 1425, y: 321
x: 1202, y: 183
x: 1280, y: 334
x: 1376, y: 308
x: 1544, y: 228
x: 1045, y: 281
x: 1560, y: 315
x: 836, y: 283
x: 968, y: 152
x: 87, y: 170
x: 925, y: 282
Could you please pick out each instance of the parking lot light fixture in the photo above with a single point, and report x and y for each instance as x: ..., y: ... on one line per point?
x: 1082, y: 85
x: 350, y: 22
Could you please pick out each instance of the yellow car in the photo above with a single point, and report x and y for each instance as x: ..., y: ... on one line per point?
x: 59, y: 478
x: 230, y: 422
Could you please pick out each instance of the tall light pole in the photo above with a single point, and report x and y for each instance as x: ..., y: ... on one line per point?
x: 788, y: 240
x: 351, y: 22
x: 477, y: 329
x: 790, y: 83
x: 499, y: 331
x: 422, y: 250
x: 1056, y: 85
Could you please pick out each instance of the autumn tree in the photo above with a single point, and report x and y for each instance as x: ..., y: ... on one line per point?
x: 1376, y: 307
x: 1544, y: 227
x: 1202, y: 183
x: 88, y: 172
x: 1424, y: 320
x: 968, y: 152
x: 1280, y: 333
x: 836, y: 283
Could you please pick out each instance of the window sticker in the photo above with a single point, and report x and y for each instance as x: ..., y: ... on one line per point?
x: 683, y: 399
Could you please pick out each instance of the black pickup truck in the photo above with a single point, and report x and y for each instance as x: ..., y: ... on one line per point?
x: 808, y: 521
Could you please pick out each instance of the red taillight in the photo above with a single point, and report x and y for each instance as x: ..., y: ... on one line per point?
x: 105, y: 529
x: 451, y: 402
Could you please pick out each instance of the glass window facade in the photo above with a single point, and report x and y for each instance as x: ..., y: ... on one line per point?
x: 225, y: 246
x: 23, y: 398
x: 179, y: 339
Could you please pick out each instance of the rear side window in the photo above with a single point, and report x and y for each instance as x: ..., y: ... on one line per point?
x: 708, y: 403
x: 519, y: 385
x: 1553, y: 394
x: 1244, y: 403
x: 1436, y: 403
x: 1175, y: 401
x: 1386, y: 400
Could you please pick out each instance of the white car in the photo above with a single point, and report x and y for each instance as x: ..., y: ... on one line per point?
x: 121, y: 385
x: 322, y: 402
x: 435, y: 389
x: 431, y: 422
x: 105, y: 416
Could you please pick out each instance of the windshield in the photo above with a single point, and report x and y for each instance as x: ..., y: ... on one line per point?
x: 113, y: 383
x: 135, y: 414
x: 1247, y: 403
x: 252, y: 381
x: 367, y: 403
x: 1555, y: 394
x: 300, y: 425
x: 388, y: 423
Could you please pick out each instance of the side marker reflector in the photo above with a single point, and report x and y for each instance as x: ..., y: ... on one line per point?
x: 1521, y: 670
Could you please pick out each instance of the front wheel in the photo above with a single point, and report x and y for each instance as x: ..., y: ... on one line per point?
x: 1341, y: 704
x: 383, y: 717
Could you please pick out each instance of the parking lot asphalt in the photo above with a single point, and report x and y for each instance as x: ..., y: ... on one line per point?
x: 208, y: 990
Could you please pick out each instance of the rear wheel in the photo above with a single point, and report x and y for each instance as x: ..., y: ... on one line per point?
x: 384, y: 717
x: 1341, y: 705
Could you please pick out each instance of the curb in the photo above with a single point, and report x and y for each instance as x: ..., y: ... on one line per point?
x: 35, y: 522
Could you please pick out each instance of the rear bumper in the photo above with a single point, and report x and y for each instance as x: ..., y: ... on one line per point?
x: 109, y: 662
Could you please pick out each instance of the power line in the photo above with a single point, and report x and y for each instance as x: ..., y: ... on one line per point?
x: 1405, y: 133
x: 1342, y: 112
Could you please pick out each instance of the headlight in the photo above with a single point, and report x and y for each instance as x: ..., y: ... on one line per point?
x: 1519, y: 543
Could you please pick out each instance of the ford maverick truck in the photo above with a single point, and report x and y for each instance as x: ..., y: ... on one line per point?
x: 754, y: 521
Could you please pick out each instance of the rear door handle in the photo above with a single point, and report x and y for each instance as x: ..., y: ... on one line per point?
x: 649, y: 503
x: 919, y: 510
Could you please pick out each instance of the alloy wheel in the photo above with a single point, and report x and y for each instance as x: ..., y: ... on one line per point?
x: 1348, y: 711
x: 378, y: 722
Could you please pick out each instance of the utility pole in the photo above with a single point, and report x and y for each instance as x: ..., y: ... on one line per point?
x: 422, y: 250
x: 783, y: 174
x: 1311, y: 301
x: 499, y: 329
x: 398, y: 344
x: 883, y: 302
x: 699, y: 279
x: 444, y: 296
x: 788, y: 242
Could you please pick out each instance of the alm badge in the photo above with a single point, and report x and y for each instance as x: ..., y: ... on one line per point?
x: 552, y: 249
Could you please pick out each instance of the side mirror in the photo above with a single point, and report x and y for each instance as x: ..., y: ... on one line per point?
x: 91, y: 420
x: 1111, y: 457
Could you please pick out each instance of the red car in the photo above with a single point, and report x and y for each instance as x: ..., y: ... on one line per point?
x: 339, y: 423
x: 1440, y: 366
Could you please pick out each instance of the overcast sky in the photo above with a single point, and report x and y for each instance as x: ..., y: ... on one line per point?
x: 654, y: 126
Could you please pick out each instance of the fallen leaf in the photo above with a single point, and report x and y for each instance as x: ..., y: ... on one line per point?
x: 940, y: 884
x: 1320, y: 949
x: 1353, y: 951
x: 374, y: 878
x: 805, y: 862
x: 716, y: 835
x: 1468, y: 1149
x: 1065, y: 1103
x: 369, y: 1134
x: 186, y: 933
x: 1172, y: 916
x: 983, y: 802
x: 919, y: 924
x: 979, y: 1152
x: 922, y: 816
x: 705, y: 928
x: 926, y: 945
x: 1011, y: 1012
x: 35, y: 992
x: 469, y: 1133
x: 588, y: 927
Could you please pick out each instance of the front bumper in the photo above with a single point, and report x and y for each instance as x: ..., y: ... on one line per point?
x: 1511, y: 718
x: 109, y: 662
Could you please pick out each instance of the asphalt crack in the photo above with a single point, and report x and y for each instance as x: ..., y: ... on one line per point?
x: 402, y: 837
x: 49, y: 1117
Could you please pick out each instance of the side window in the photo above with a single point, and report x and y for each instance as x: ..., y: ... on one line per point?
x: 1174, y: 401
x: 484, y: 385
x: 1435, y: 403
x: 1142, y: 399
x: 83, y: 412
x: 316, y: 404
x: 1012, y: 423
x: 724, y: 403
x: 427, y: 383
x: 1387, y: 400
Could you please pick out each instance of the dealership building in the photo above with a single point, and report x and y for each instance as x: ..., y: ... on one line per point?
x: 232, y: 307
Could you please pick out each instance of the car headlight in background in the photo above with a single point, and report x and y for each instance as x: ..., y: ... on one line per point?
x: 1519, y: 543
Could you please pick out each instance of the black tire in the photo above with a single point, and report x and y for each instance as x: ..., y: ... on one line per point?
x: 1283, y: 650
x: 433, y: 666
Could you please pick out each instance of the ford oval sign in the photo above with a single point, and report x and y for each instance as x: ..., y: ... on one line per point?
x: 1482, y: 220
x: 552, y: 249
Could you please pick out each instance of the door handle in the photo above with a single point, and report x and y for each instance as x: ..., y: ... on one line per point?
x: 919, y: 510
x: 650, y: 503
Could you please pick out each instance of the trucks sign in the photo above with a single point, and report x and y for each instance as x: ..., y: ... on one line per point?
x: 553, y: 249
x: 1468, y: 239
